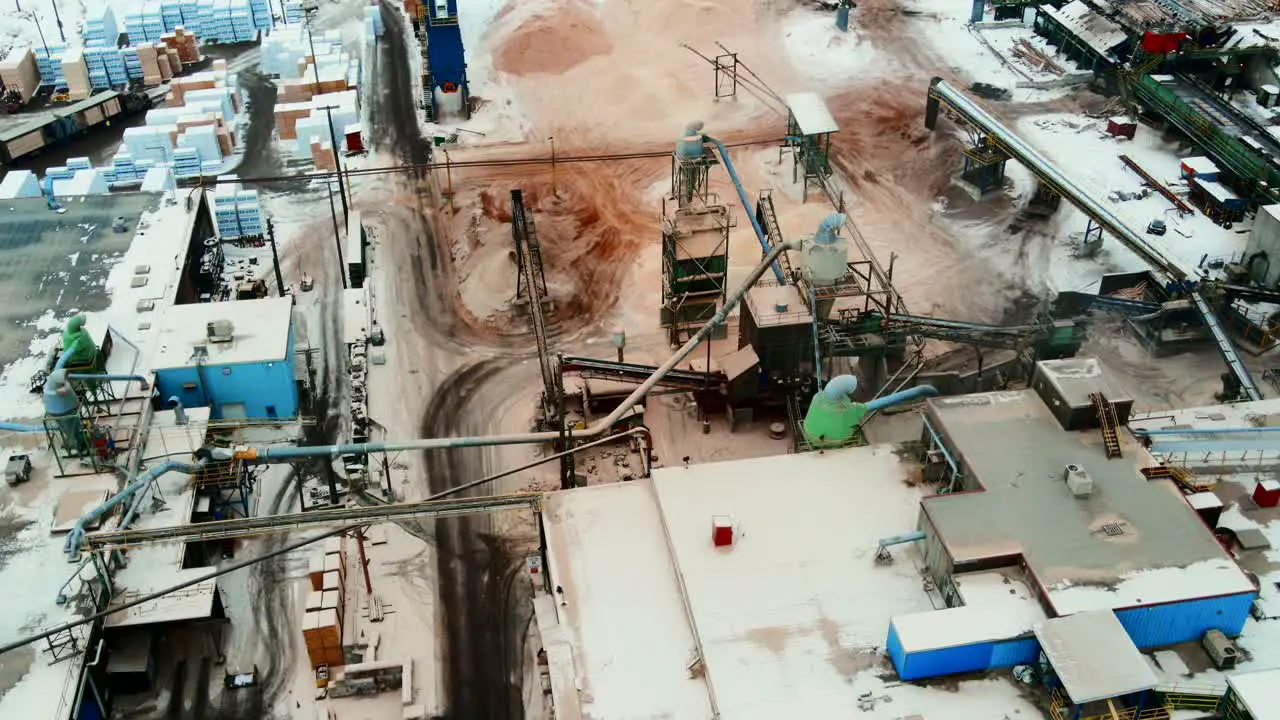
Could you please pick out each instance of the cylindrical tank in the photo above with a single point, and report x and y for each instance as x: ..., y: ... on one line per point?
x: 62, y: 409
x: 689, y: 144
x: 826, y: 257
x: 833, y: 416
x: 77, y: 344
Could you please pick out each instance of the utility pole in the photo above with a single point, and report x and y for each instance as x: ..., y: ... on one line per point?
x: 275, y: 256
x: 333, y: 140
x: 58, y: 18
x: 337, y: 238
x: 31, y: 15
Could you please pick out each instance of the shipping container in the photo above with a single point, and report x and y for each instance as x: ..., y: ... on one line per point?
x: 1171, y: 623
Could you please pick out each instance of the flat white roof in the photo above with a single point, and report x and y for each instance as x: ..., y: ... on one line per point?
x: 261, y: 332
x: 797, y: 605
x: 1200, y: 164
x: 811, y: 113
x: 622, y: 610
x: 1094, y: 657
x: 1259, y: 692
x: 1217, y: 190
x: 996, y: 607
x: 159, y: 565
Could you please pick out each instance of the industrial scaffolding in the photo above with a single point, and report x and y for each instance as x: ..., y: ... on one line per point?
x: 695, y: 247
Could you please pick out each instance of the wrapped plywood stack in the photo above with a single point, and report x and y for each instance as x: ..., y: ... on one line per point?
x: 184, y: 43
x: 322, y: 154
x: 76, y: 74
x: 19, y: 71
x: 326, y: 604
x: 322, y: 635
x: 149, y: 59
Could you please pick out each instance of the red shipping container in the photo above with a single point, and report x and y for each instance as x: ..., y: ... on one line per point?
x: 721, y: 531
x: 1162, y: 43
x: 1267, y: 493
x: 354, y: 142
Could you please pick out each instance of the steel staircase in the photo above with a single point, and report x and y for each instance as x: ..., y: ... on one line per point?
x: 1110, y: 425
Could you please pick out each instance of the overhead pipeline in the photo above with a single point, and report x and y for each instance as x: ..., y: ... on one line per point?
x: 277, y: 454
x: 914, y: 393
x: 746, y: 205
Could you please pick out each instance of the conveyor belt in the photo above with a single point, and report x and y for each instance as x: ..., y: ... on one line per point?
x: 632, y: 372
x: 1051, y: 176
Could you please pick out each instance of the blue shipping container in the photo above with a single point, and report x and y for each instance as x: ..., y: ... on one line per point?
x: 960, y: 659
x: 1172, y: 623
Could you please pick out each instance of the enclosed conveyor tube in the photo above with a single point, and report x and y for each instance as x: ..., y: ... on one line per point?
x: 276, y: 454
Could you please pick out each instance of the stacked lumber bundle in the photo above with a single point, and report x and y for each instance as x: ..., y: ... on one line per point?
x: 322, y: 625
x: 19, y: 71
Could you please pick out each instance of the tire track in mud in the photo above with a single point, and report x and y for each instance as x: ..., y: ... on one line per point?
x: 483, y: 672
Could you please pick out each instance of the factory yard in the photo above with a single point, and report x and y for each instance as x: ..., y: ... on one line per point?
x: 608, y: 360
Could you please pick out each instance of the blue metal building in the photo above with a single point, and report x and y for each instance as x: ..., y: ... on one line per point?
x: 234, y: 357
x: 1034, y: 494
x: 445, y: 63
x: 958, y: 640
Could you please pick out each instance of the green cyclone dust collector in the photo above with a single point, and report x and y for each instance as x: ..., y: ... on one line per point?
x: 834, y: 416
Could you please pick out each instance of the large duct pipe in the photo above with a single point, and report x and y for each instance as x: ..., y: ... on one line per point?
x: 746, y: 205
x: 276, y: 454
x: 179, y: 413
x: 915, y: 393
x: 144, y: 480
x: 19, y: 427
x: 840, y: 387
x: 829, y: 228
x: 1207, y: 431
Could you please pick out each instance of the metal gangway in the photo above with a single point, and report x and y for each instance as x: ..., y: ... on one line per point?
x: 1053, y: 178
x: 1110, y: 425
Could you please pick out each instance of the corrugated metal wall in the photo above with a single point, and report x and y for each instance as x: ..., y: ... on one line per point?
x: 960, y: 659
x: 1173, y: 623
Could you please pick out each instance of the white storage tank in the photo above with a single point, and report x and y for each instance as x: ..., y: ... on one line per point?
x: 826, y: 257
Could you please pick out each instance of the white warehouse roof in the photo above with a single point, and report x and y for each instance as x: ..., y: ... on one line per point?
x: 260, y: 332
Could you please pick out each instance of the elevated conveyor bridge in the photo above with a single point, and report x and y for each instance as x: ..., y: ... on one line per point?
x: 1178, y: 280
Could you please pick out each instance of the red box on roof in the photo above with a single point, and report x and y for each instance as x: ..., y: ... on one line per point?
x: 1122, y: 127
x: 1267, y: 493
x: 1162, y: 43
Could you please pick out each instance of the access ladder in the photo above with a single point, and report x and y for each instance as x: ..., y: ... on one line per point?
x: 1110, y: 425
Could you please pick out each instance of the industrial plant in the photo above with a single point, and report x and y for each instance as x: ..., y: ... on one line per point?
x: 899, y: 360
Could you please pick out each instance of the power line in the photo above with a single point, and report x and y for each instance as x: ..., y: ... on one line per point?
x: 161, y: 593
x: 496, y: 162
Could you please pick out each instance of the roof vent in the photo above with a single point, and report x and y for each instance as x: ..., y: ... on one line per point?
x: 1078, y: 481
x: 1113, y: 529
x: 220, y: 331
x: 780, y: 307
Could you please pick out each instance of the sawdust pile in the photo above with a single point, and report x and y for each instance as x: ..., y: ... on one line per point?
x: 553, y: 43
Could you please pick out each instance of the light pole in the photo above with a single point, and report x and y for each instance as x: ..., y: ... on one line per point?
x: 31, y: 15
x: 58, y: 18
x: 333, y: 139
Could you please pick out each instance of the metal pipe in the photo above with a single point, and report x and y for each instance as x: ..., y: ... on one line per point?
x: 179, y: 413
x: 112, y: 610
x: 75, y: 537
x: 143, y: 381
x: 840, y: 387
x: 899, y: 539
x: 914, y: 393
x: 272, y: 454
x: 746, y: 204
x: 19, y: 427
x: 1205, y: 431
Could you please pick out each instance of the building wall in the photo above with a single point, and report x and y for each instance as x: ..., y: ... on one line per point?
x: 960, y: 659
x: 266, y: 389
x: 1171, y: 623
x: 1265, y: 237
